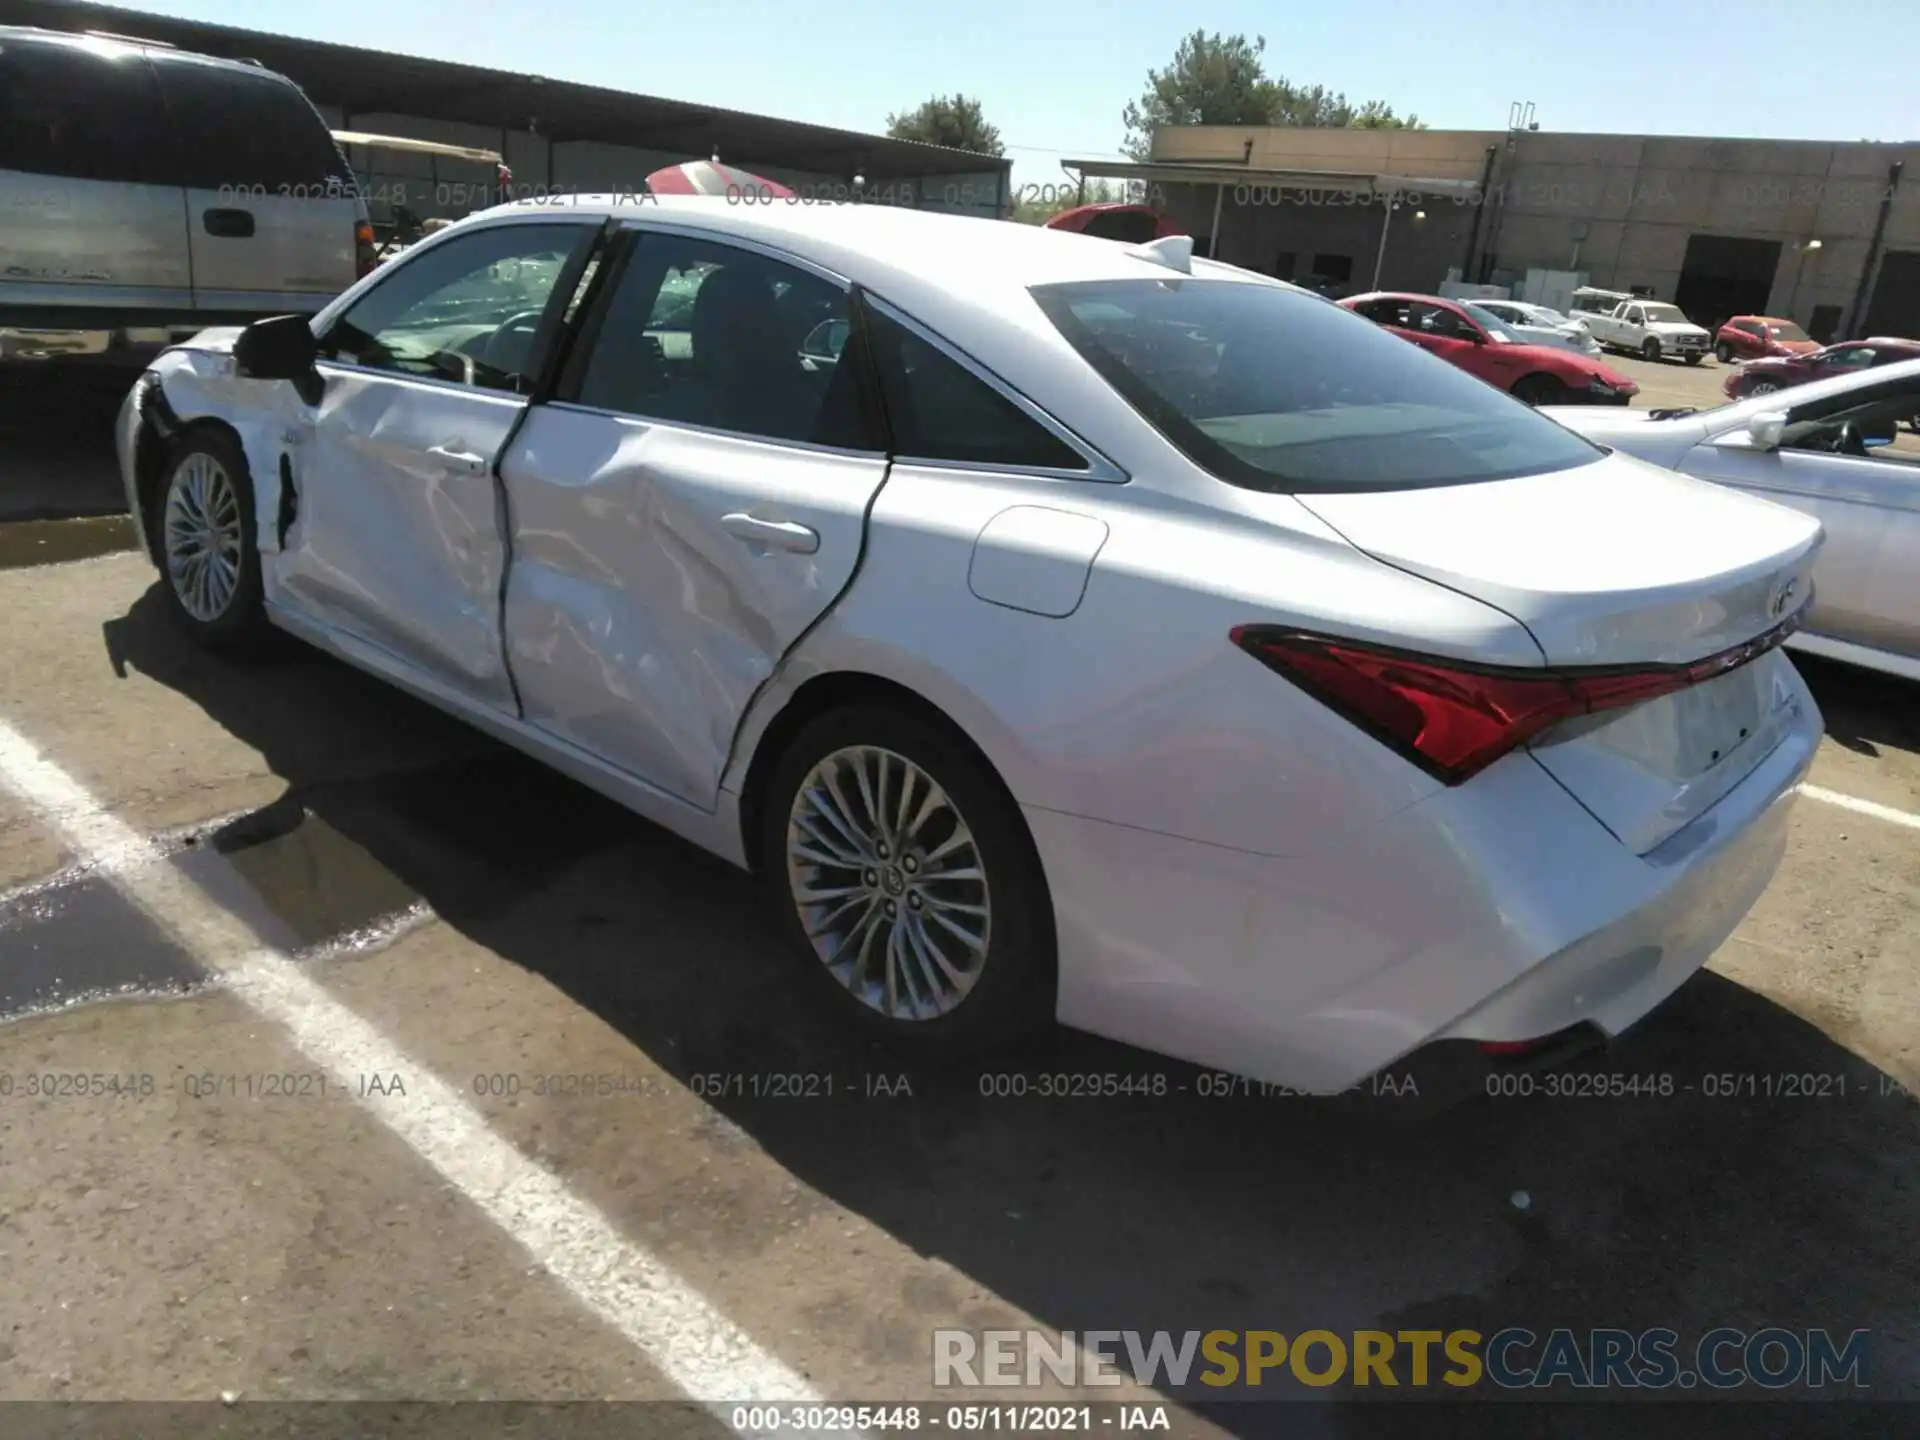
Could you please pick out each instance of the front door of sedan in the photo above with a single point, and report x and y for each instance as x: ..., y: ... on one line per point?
x: 691, y: 501
x: 394, y: 534
x: 1866, y: 494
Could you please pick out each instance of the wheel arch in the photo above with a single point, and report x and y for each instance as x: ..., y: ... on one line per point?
x: 158, y: 441
x: 832, y: 690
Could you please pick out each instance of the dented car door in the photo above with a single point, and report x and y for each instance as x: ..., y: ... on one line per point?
x: 391, y: 529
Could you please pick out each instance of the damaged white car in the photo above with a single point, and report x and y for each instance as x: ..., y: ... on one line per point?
x: 1058, y: 628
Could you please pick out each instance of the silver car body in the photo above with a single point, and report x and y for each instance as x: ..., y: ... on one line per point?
x: 133, y: 223
x: 1539, y: 326
x: 1867, y: 584
x: 1239, y: 876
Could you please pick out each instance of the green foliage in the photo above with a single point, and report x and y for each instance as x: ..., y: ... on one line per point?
x: 954, y: 121
x: 1222, y: 80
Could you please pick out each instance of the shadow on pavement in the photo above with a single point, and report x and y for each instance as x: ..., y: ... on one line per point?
x: 1864, y: 710
x: 1187, y: 1211
x: 56, y: 440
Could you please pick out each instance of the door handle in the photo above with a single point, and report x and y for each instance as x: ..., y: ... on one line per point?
x: 458, y: 459
x: 781, y: 534
x: 228, y: 224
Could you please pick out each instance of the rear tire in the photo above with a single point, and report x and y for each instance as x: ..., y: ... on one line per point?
x: 1539, y: 389
x: 929, y: 924
x: 1650, y: 349
x: 203, y: 524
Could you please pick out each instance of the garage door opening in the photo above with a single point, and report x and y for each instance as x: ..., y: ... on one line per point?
x: 1895, y: 307
x: 1723, y: 276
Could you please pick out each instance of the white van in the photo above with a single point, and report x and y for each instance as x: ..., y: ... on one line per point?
x: 146, y: 193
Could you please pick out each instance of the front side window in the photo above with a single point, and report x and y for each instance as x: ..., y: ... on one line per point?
x: 1664, y: 315
x: 82, y: 111
x: 1849, y: 357
x: 1788, y: 331
x: 1859, y: 425
x: 699, y: 333
x: 248, y: 129
x: 467, y: 309
x: 1273, y: 390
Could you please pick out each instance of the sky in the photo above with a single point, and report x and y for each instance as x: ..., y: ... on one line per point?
x: 1053, y: 75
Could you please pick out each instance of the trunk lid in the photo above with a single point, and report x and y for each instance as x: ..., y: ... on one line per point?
x: 1620, y: 564
x: 1614, y: 563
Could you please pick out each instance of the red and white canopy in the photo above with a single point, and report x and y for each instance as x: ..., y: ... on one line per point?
x: 710, y: 177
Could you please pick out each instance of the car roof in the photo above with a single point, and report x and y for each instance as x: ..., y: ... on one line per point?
x: 157, y: 50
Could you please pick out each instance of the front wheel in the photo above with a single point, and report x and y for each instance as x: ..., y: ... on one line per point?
x: 1650, y: 350
x: 209, y: 564
x: 1723, y: 352
x: 907, y: 882
x: 1539, y: 390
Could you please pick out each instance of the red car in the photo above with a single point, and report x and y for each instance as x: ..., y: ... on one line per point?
x: 1755, y: 337
x: 1479, y: 344
x: 1758, y: 377
x: 1135, y: 224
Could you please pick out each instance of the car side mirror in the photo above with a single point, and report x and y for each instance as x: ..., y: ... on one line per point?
x: 281, y: 347
x: 1765, y: 430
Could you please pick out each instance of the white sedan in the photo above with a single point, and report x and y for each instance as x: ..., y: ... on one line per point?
x: 1834, y: 450
x: 1058, y: 628
x: 1538, y: 325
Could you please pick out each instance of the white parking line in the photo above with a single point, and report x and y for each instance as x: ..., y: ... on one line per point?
x: 1861, y: 807
x: 702, y: 1352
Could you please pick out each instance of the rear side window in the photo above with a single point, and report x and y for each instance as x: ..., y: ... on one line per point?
x: 1274, y: 390
x: 705, y: 334
x: 248, y: 128
x: 83, y: 111
x: 940, y: 410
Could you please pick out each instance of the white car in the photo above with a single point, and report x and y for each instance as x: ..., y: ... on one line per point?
x: 1834, y: 450
x: 1538, y: 325
x: 1081, y: 630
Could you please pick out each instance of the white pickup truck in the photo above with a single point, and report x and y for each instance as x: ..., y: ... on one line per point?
x: 1652, y: 329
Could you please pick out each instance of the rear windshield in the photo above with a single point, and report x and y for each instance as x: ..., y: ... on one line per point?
x: 1277, y: 390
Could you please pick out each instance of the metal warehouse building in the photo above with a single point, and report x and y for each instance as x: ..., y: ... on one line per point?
x: 1826, y: 234
x: 554, y: 135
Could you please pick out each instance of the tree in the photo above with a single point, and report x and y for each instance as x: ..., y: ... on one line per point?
x: 1213, y: 80
x: 954, y: 121
x: 1222, y: 80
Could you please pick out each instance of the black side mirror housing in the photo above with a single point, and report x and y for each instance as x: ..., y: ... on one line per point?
x: 281, y: 347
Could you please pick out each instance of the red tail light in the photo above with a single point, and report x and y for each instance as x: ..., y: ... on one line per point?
x: 1453, y: 719
x: 365, y: 256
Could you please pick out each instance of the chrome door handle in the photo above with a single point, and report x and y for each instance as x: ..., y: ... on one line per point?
x: 782, y: 534
x: 458, y: 459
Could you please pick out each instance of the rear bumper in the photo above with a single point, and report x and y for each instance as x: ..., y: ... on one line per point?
x: 1500, y: 910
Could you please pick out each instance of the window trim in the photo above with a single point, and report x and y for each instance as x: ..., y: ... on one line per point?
x: 1100, y: 469
x: 592, y: 232
x: 624, y: 236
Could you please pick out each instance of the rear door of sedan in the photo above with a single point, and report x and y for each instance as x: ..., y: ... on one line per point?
x: 689, y: 502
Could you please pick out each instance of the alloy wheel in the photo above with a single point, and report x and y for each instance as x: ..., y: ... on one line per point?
x: 203, y: 537
x: 889, y: 882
